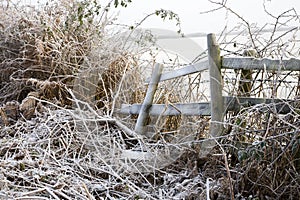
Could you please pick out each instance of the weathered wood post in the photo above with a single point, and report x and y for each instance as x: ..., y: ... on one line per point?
x: 144, y: 111
x: 245, y: 83
x: 216, y: 102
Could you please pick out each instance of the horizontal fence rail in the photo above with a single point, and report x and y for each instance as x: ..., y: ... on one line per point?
x: 280, y: 106
x: 262, y: 64
x: 235, y: 63
x: 171, y: 109
x: 190, y: 69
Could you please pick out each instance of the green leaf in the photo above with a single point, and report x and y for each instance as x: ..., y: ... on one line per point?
x: 22, y: 166
x: 116, y: 3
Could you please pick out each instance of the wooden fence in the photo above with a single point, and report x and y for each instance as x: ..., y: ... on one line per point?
x: 219, y: 104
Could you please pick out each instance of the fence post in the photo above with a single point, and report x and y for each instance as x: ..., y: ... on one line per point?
x: 144, y: 111
x: 245, y: 83
x: 216, y: 102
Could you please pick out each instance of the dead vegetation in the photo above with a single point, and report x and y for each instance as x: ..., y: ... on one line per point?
x: 63, y: 76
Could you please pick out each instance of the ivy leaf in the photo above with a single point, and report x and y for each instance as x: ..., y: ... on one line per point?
x: 116, y: 3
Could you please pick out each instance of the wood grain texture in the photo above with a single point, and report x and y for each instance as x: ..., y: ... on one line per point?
x: 281, y: 106
x: 217, y: 102
x: 191, y: 109
x: 144, y: 111
x: 261, y: 64
x: 190, y: 69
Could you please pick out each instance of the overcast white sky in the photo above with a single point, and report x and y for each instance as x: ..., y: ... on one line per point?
x: 189, y: 12
x: 194, y: 22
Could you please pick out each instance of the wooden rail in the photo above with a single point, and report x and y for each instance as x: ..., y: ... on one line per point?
x: 261, y: 64
x: 190, y: 69
x: 204, y: 109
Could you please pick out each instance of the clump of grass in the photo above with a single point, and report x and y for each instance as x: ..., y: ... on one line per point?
x: 60, y: 43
